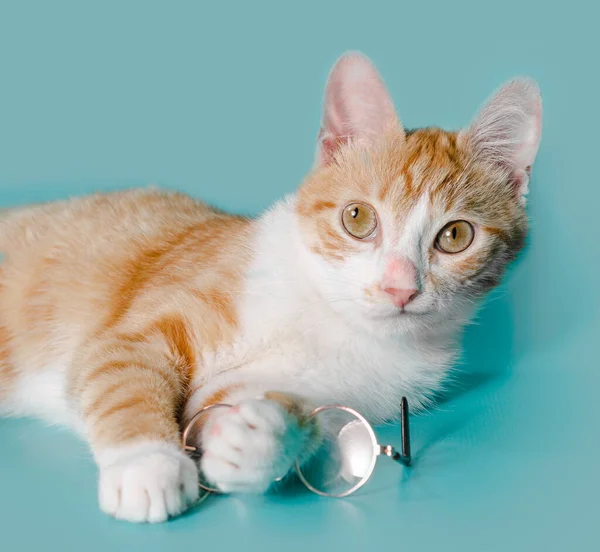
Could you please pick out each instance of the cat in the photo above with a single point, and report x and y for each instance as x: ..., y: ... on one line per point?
x: 123, y: 314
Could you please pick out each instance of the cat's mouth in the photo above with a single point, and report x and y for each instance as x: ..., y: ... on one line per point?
x: 406, y: 312
x: 417, y: 307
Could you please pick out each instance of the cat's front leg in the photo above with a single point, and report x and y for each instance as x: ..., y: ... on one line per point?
x: 129, y: 395
x: 255, y: 442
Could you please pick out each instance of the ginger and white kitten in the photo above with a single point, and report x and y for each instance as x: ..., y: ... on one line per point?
x: 123, y: 314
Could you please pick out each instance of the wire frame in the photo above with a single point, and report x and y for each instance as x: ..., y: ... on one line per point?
x: 194, y: 451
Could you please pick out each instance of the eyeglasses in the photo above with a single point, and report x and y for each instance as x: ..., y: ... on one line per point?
x: 347, y: 452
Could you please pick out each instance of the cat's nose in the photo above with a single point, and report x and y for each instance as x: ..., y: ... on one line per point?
x: 401, y: 297
x: 400, y: 281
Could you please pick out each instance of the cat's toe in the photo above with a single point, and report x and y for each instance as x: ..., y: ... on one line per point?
x: 250, y: 446
x: 150, y: 486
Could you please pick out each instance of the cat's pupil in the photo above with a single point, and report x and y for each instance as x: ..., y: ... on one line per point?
x: 354, y: 212
x: 454, y: 232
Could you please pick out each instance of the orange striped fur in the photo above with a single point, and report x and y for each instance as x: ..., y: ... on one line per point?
x: 7, y: 371
x: 149, y: 298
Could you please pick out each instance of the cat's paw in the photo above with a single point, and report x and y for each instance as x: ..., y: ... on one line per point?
x: 247, y: 447
x: 148, y: 483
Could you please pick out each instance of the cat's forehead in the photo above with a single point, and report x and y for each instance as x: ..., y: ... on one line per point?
x: 402, y: 170
x: 428, y: 164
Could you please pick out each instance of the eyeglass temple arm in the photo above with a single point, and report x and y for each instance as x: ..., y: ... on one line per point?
x: 404, y: 457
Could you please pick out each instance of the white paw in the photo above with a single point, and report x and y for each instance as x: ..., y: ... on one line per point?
x: 247, y: 447
x: 148, y: 483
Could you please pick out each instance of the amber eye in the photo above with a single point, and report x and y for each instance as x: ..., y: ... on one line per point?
x: 359, y: 220
x: 455, y: 237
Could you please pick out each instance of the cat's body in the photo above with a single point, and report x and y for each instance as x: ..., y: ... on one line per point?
x: 123, y: 314
x: 266, y: 321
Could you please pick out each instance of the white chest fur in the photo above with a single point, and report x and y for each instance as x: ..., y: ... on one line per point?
x: 291, y: 339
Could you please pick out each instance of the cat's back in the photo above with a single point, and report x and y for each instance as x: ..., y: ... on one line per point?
x: 76, y: 261
x: 124, y: 215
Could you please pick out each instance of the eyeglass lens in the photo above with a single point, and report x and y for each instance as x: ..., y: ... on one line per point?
x: 346, y: 455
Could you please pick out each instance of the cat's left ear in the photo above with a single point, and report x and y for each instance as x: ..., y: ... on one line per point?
x: 507, y: 131
x: 357, y: 107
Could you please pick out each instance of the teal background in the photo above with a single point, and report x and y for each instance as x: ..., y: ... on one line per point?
x: 222, y: 100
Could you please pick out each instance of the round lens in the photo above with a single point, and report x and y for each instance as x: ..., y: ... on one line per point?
x: 192, y: 439
x: 346, y: 455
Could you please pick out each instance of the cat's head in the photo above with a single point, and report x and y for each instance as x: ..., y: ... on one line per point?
x: 406, y: 228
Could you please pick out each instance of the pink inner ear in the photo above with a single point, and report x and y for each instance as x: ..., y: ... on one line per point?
x: 531, y: 139
x: 329, y: 145
x: 520, y: 182
x: 357, y: 106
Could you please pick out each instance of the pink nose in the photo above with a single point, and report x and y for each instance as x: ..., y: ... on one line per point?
x: 401, y: 297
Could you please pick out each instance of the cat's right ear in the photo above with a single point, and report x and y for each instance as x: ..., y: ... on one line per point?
x: 357, y: 107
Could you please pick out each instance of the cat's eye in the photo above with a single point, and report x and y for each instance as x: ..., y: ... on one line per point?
x: 359, y: 220
x: 455, y: 237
